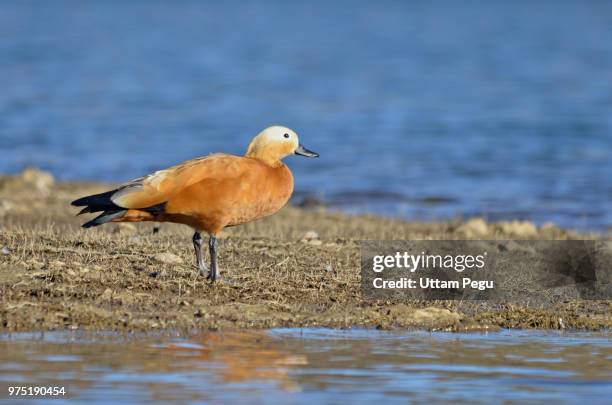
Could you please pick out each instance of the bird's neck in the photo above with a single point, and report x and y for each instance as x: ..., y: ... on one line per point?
x: 270, y: 155
x: 268, y: 161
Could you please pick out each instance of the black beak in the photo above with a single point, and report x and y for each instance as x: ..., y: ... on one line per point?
x: 302, y: 151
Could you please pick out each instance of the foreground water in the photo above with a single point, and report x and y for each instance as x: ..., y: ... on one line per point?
x: 419, y: 109
x: 306, y: 366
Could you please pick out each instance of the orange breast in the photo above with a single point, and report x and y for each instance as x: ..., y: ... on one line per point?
x: 254, y: 191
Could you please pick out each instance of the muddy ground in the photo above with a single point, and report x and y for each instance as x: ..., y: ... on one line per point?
x: 297, y: 268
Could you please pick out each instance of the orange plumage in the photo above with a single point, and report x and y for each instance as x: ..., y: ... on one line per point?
x: 208, y: 193
x: 211, y: 193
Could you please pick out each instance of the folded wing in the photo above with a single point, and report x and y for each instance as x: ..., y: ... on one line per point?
x: 159, y: 187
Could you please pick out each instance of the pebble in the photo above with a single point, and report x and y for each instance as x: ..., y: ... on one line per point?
x: 474, y: 227
x: 57, y: 264
x: 168, y: 258
x: 125, y: 229
x: 36, y: 265
x: 5, y: 251
x: 106, y: 295
x: 312, y: 238
x: 5, y: 206
x: 310, y: 235
x: 40, y: 179
x: 517, y: 228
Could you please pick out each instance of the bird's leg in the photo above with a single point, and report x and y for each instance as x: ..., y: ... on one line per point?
x: 197, y: 245
x: 212, y: 246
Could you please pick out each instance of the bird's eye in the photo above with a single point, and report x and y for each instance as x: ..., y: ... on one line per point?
x: 286, y: 135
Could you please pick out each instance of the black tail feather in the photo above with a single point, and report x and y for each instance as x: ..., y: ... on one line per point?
x: 85, y: 211
x: 102, y: 203
x: 97, y: 203
x: 105, y: 217
x: 102, y: 198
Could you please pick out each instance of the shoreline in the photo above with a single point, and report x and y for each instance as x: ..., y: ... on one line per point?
x: 298, y: 268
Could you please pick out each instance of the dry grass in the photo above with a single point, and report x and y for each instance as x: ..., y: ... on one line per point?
x: 54, y: 275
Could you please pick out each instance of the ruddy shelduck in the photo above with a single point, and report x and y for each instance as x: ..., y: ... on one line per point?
x: 207, y: 193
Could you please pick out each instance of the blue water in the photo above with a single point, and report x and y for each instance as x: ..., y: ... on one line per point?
x: 419, y: 109
x: 312, y: 366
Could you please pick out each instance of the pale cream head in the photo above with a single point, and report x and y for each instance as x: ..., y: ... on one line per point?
x: 276, y: 142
